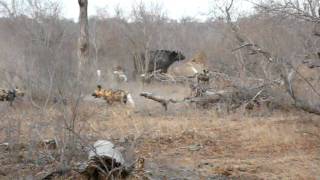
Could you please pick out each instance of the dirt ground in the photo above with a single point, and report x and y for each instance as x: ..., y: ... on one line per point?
x: 182, y: 143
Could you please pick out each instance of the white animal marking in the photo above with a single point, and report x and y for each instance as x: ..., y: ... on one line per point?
x: 130, y: 100
x: 194, y: 69
x: 99, y: 75
x: 124, y: 77
x: 121, y: 75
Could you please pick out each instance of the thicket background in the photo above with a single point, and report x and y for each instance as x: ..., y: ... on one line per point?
x: 38, y: 47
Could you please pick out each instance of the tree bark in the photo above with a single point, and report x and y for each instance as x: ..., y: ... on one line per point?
x: 83, y: 43
x: 164, y: 102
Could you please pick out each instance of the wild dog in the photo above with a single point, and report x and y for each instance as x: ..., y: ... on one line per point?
x: 10, y: 95
x: 113, y: 95
x: 119, y: 74
x: 203, y: 77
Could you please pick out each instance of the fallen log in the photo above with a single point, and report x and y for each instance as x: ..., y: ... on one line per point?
x: 104, y: 161
x: 233, y: 98
x: 205, y: 99
x: 164, y: 102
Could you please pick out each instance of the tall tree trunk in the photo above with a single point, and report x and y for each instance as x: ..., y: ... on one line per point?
x: 83, y: 49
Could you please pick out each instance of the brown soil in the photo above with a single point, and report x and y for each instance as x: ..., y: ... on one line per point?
x: 183, y: 143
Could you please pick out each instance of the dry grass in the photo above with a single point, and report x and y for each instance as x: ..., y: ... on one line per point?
x: 183, y: 142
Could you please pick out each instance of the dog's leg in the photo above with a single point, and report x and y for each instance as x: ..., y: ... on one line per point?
x: 130, y: 100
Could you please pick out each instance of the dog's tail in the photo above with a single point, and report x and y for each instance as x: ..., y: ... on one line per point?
x: 130, y: 100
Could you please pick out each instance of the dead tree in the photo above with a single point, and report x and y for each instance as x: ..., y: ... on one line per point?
x: 83, y: 43
x: 254, y: 48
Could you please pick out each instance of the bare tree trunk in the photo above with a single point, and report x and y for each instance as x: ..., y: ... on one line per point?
x: 83, y: 51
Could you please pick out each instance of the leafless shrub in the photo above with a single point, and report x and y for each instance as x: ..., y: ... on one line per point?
x: 38, y: 53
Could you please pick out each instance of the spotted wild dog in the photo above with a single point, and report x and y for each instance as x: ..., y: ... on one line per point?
x: 113, y: 95
x: 203, y: 77
x: 10, y: 95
